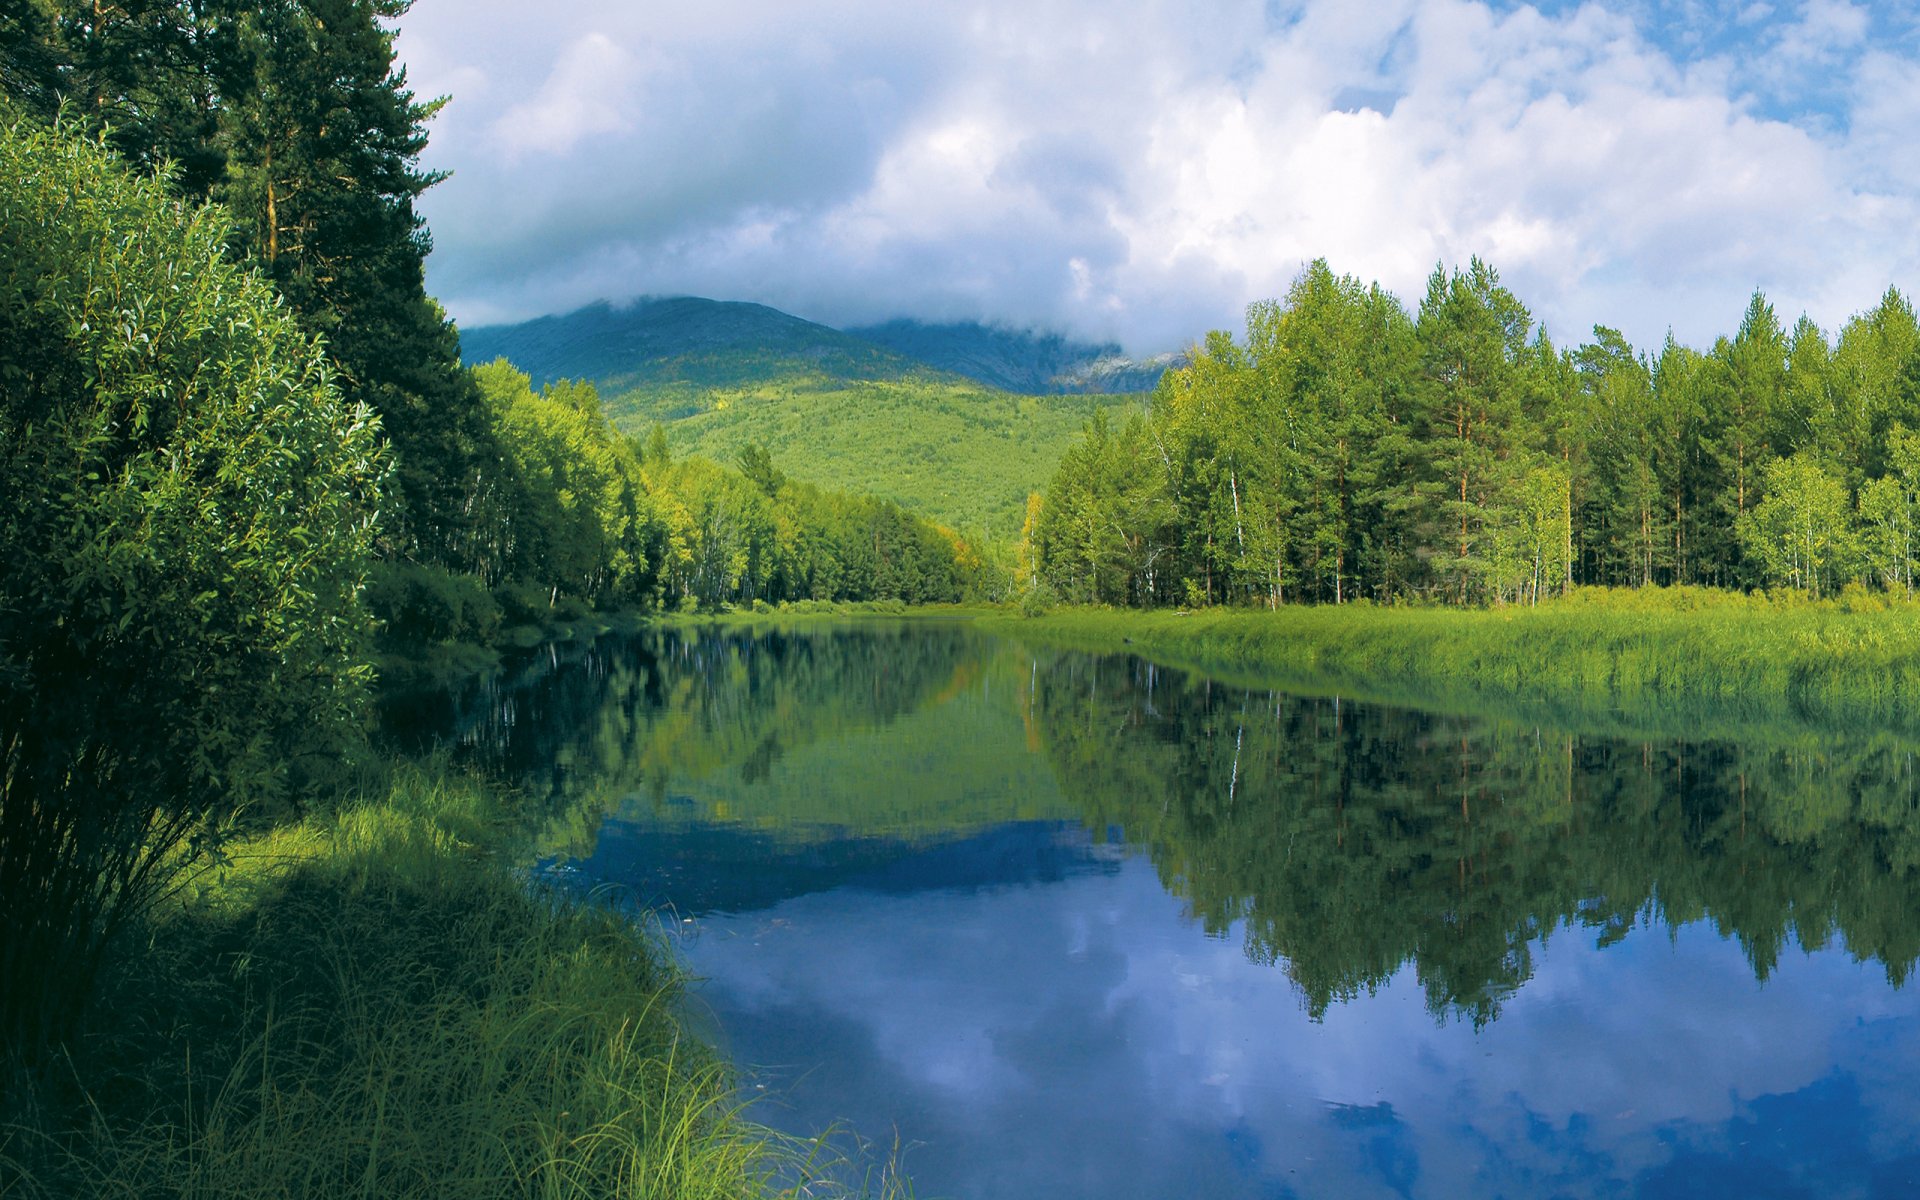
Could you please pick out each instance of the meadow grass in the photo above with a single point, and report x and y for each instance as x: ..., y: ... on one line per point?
x: 1654, y: 659
x: 373, y: 1003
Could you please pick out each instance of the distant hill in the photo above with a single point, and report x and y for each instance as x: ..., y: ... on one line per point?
x: 1031, y: 363
x: 963, y: 454
x: 683, y: 340
x: 833, y: 408
x: 722, y: 343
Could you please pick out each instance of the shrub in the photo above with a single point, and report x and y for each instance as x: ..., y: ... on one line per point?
x: 419, y: 604
x: 189, y: 510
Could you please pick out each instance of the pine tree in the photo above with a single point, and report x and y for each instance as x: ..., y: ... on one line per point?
x: 1472, y: 335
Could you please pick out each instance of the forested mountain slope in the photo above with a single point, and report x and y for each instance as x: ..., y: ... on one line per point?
x: 966, y: 456
x: 832, y: 409
x: 688, y: 340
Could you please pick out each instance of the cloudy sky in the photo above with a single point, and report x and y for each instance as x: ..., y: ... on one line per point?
x: 1142, y: 169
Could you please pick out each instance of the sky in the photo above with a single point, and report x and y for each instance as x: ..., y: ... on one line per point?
x: 1141, y: 170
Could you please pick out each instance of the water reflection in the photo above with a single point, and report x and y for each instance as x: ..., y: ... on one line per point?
x: 1348, y: 840
x: 1084, y: 926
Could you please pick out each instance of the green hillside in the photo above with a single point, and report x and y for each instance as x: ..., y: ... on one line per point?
x: 833, y: 409
x: 960, y: 453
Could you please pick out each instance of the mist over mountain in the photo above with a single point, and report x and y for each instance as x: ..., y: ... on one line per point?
x: 681, y: 339
x: 1030, y: 362
x: 703, y: 343
x: 957, y: 422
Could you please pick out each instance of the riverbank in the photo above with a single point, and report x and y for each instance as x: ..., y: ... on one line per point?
x: 1668, y: 660
x: 374, y: 1002
x: 412, y: 666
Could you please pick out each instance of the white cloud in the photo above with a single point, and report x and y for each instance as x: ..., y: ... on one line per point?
x: 1145, y: 169
x: 589, y: 92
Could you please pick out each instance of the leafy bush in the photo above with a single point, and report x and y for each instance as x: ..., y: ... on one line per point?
x: 189, y: 510
x: 420, y: 604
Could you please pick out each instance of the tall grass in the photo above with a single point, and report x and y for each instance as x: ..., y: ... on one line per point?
x: 1651, y: 657
x: 371, y: 1004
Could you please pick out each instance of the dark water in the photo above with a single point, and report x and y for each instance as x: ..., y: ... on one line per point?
x: 1060, y: 926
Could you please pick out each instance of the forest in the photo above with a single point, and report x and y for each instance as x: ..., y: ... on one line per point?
x: 250, y: 947
x: 1344, y: 449
x: 216, y: 309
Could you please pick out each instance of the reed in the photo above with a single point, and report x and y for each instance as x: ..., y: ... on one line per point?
x: 1670, y: 659
x: 372, y: 1004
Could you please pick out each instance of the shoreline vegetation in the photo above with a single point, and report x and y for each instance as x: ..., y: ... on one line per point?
x: 378, y: 1001
x: 1636, y: 662
x: 1691, y: 662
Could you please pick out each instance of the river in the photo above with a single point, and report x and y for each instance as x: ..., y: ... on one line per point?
x: 1045, y: 924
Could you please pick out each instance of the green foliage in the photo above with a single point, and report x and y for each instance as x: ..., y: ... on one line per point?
x: 1667, y: 659
x: 419, y: 604
x: 958, y: 453
x: 1103, y: 520
x: 575, y: 514
x: 733, y: 537
x: 190, y: 509
x: 1036, y: 601
x: 293, y: 115
x: 1890, y: 514
x: 1343, y: 450
x: 368, y: 1003
x: 1799, y: 533
x: 833, y: 410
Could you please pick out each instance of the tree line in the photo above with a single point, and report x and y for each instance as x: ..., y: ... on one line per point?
x: 1343, y: 448
x: 293, y: 116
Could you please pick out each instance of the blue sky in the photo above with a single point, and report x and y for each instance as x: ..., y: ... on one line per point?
x: 1143, y: 169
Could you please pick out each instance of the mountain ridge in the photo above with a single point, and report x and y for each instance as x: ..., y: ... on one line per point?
x: 721, y: 343
x: 662, y: 341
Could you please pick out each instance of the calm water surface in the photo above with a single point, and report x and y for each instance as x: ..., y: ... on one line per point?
x: 1062, y: 926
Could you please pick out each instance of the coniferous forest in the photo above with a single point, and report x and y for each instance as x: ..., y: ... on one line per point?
x: 1345, y: 449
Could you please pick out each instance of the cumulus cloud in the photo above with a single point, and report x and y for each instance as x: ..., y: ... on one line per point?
x: 589, y: 93
x: 1144, y: 169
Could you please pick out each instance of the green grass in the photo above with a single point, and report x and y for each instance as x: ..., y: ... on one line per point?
x: 372, y: 1004
x: 960, y: 453
x: 1667, y: 660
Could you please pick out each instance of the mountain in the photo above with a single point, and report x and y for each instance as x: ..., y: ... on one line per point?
x: 833, y: 408
x: 1032, y: 363
x: 681, y: 340
x: 721, y: 343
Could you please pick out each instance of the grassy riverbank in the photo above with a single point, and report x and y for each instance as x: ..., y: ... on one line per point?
x: 374, y: 1003
x: 1656, y: 658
